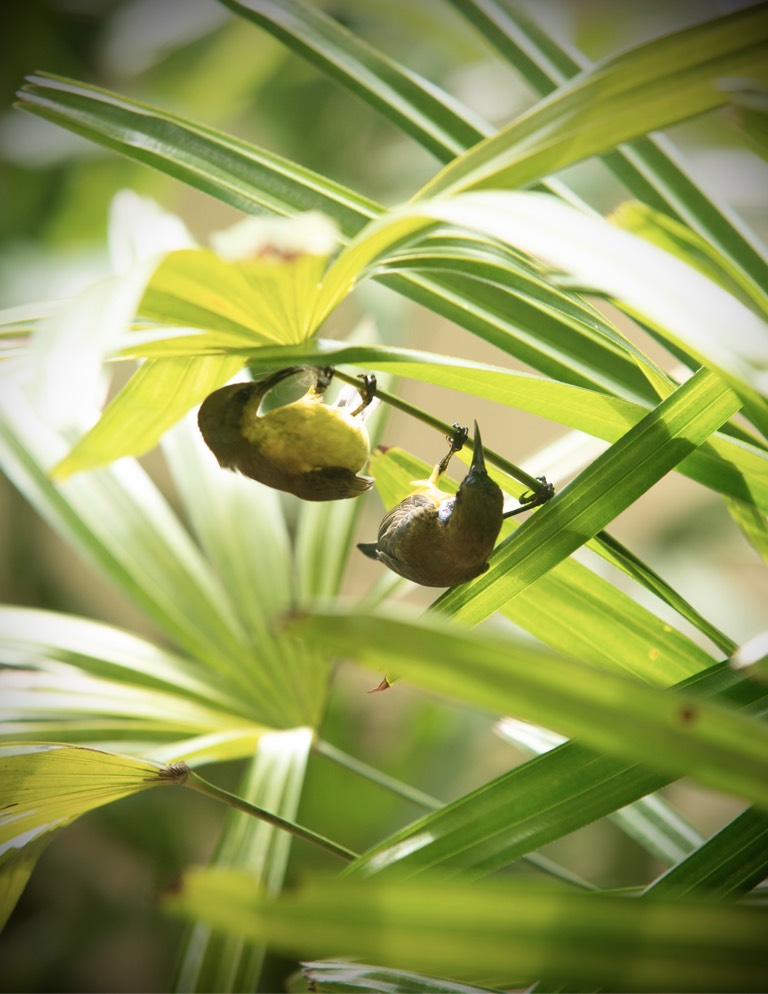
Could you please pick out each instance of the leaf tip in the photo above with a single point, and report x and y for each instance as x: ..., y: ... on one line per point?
x: 62, y: 470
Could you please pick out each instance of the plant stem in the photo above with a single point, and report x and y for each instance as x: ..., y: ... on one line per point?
x: 403, y: 790
x: 442, y: 426
x: 219, y: 794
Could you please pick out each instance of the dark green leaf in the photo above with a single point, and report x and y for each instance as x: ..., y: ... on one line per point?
x: 538, y: 802
x: 432, y: 117
x: 729, y: 864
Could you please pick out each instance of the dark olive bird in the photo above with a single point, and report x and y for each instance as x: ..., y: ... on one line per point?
x: 306, y: 448
x: 439, y: 540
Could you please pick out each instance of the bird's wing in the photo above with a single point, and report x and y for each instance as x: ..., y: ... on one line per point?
x: 405, y: 515
x: 332, y: 483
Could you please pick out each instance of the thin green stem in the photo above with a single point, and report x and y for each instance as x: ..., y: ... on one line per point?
x: 376, y: 776
x: 233, y: 801
x: 442, y: 426
x: 623, y: 558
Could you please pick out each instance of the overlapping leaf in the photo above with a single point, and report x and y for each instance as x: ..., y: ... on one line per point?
x: 665, y: 730
x: 644, y: 89
x: 46, y: 786
x: 214, y: 961
x: 731, y: 863
x: 650, y: 167
x: 501, y: 929
x: 536, y: 803
x: 208, y: 603
x: 613, y: 481
x: 437, y: 121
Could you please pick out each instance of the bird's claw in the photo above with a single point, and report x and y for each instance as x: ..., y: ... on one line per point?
x: 457, y: 438
x: 534, y: 498
x: 367, y: 392
x: 323, y: 377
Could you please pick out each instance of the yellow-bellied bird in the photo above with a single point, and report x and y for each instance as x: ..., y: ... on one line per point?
x: 306, y: 448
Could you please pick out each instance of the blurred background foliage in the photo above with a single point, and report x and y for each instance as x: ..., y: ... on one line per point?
x: 87, y: 920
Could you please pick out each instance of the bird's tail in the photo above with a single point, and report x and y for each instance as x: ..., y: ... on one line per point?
x: 369, y: 549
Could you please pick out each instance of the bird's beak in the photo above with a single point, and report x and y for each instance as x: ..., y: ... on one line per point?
x: 477, y: 467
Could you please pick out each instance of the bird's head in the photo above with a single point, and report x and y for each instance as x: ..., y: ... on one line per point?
x: 223, y: 413
x: 479, y: 494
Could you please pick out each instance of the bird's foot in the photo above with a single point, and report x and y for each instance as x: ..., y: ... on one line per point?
x: 456, y: 441
x: 367, y: 392
x: 457, y: 438
x: 534, y: 498
x: 323, y: 377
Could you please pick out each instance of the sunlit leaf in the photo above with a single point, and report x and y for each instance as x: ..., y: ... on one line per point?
x: 644, y: 89
x: 43, y: 640
x: 215, y: 961
x: 681, y: 241
x: 538, y: 802
x: 622, y: 635
x: 243, y: 529
x: 151, y: 722
x: 244, y: 176
x: 285, y: 188
x: 247, y: 177
x: 610, y: 484
x: 651, y: 167
x: 666, y: 730
x: 159, y: 393
x: 652, y: 821
x: 730, y: 466
x: 265, y: 300
x: 44, y: 787
x: 499, y: 929
x: 118, y: 520
x: 670, y: 294
x: 65, y: 355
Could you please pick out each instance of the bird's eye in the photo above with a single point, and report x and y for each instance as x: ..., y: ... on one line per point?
x: 243, y: 395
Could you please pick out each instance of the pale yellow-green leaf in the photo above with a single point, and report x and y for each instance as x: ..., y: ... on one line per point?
x: 265, y: 300
x: 45, y: 786
x: 158, y: 394
x: 691, y: 308
x: 500, y: 928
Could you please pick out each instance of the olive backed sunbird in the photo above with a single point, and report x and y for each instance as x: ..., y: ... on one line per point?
x: 439, y: 540
x: 307, y: 448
